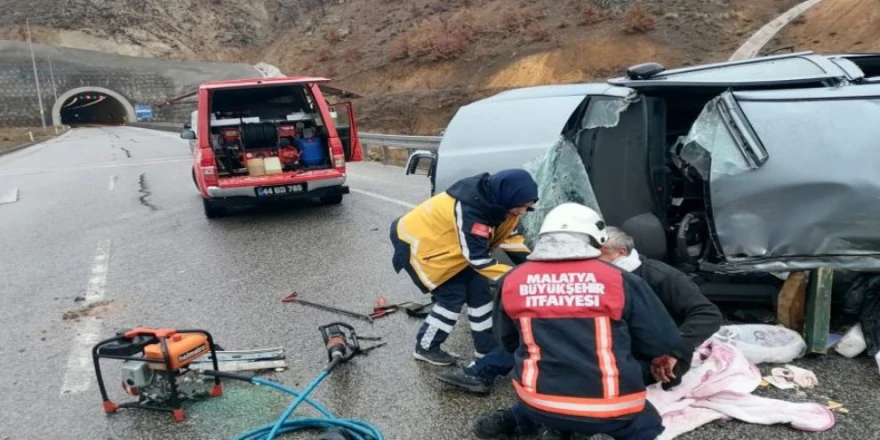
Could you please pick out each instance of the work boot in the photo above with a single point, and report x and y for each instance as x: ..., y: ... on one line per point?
x: 464, y: 379
x: 434, y: 356
x: 496, y: 424
x: 552, y: 434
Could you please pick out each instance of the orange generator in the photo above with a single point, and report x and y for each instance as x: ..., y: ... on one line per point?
x: 156, y: 369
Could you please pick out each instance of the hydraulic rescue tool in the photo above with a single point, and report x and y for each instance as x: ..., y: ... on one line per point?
x: 156, y: 368
x: 342, y: 344
x: 294, y: 297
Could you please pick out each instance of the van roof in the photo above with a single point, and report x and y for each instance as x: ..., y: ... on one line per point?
x: 558, y: 91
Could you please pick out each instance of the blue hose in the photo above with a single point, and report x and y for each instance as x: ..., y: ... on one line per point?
x: 359, y: 429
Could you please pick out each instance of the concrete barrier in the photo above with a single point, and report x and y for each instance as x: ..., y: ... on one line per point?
x: 176, y: 127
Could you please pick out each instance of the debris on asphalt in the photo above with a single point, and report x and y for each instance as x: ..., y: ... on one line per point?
x: 781, y: 383
x: 79, y: 299
x: 837, y: 406
x: 852, y: 343
x: 763, y: 343
x: 792, y: 375
x: 97, y: 308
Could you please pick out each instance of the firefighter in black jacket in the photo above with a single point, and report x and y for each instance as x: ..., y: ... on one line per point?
x: 696, y: 317
x: 575, y: 325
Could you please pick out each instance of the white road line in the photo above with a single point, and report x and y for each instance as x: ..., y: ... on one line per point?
x: 381, y: 197
x: 80, y: 369
x: 158, y: 161
x: 79, y: 372
x: 112, y: 185
x: 10, y: 196
x: 98, y: 277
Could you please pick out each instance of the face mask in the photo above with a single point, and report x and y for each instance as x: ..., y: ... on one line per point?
x: 629, y: 262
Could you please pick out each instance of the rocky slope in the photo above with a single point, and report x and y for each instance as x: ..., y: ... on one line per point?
x: 415, y: 61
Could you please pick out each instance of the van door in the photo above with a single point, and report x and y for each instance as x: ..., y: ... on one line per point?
x: 346, y: 128
x: 614, y: 144
x: 793, y: 177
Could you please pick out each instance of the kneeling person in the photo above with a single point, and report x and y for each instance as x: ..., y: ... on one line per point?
x: 575, y: 324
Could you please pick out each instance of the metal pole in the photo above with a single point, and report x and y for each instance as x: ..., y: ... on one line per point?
x: 52, y: 75
x: 36, y: 77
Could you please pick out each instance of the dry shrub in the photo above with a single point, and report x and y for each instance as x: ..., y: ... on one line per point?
x: 325, y: 53
x: 535, y: 13
x: 591, y: 15
x: 399, y: 48
x: 536, y: 32
x: 352, y: 54
x: 434, y: 39
x: 332, y: 35
x: 517, y: 20
x: 512, y: 21
x: 636, y: 20
x: 562, y: 24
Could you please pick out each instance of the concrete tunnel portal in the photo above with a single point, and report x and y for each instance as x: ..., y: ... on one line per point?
x: 92, y: 106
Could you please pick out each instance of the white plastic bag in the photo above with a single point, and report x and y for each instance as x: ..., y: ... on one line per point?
x: 763, y: 343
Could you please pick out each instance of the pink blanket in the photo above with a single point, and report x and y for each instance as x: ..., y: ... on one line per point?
x: 719, y: 386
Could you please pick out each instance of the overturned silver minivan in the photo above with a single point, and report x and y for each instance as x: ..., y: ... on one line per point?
x: 735, y: 172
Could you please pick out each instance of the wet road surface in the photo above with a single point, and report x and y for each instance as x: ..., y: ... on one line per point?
x: 112, y: 215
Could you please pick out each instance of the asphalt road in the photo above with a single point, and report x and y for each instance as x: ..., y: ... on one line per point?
x: 111, y: 214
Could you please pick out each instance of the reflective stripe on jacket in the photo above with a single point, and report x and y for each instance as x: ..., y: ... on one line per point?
x: 574, y: 327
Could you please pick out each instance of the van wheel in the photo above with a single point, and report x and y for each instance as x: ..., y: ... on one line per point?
x: 212, y: 210
x: 331, y: 200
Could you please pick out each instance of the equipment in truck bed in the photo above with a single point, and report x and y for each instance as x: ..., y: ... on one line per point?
x: 268, y: 140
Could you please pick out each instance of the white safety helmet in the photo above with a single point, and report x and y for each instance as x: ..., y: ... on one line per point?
x: 576, y: 218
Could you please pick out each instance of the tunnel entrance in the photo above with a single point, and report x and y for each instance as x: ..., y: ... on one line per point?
x: 92, y: 106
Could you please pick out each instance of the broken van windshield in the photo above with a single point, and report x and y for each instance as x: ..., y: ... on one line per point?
x: 709, y: 147
x: 561, y: 177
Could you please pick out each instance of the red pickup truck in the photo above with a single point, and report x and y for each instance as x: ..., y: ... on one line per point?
x: 270, y: 139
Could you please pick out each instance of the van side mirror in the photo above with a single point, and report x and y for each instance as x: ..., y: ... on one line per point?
x: 416, y: 158
x: 188, y: 134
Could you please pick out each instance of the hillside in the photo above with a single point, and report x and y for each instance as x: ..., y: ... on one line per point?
x: 835, y: 25
x: 415, y: 61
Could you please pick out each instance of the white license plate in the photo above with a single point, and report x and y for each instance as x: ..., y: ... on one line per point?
x: 280, y: 190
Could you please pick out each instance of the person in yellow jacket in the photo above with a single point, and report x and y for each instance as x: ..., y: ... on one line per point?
x: 445, y: 245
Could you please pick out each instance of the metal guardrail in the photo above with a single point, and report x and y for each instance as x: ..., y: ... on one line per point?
x: 430, y: 143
